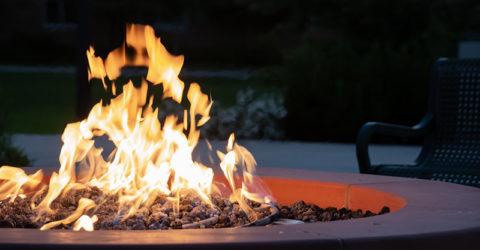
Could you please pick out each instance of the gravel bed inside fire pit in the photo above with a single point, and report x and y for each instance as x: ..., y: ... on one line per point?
x: 192, y: 212
x: 313, y: 213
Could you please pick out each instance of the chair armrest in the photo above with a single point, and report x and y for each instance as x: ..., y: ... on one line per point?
x: 372, y: 128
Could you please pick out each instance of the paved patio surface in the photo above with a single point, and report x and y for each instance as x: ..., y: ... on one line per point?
x: 336, y: 157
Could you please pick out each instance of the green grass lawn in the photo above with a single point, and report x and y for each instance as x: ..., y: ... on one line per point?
x: 44, y: 102
x: 37, y: 102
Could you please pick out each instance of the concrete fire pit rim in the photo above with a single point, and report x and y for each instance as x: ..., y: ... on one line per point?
x: 426, y: 220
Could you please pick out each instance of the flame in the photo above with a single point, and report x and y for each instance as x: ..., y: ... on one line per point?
x: 239, y: 156
x: 15, y: 182
x: 84, y: 204
x: 85, y: 222
x: 151, y: 157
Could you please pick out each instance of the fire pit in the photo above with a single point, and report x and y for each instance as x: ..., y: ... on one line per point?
x: 149, y: 181
x: 425, y: 215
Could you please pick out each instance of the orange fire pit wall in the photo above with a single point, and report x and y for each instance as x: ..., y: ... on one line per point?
x: 329, y: 194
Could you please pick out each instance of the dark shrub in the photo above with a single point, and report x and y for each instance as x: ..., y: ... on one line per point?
x: 9, y: 155
x: 362, y: 61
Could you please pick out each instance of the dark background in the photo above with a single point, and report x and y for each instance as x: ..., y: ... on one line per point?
x: 337, y: 63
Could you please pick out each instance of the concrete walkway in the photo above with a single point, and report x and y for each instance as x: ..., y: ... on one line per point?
x: 44, y: 151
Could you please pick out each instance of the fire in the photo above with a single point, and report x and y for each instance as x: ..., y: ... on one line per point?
x: 85, y: 222
x: 151, y: 157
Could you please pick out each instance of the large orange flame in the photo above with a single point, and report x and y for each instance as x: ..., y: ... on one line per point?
x: 150, y: 158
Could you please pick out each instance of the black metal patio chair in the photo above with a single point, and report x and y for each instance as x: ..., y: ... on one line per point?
x: 451, y: 129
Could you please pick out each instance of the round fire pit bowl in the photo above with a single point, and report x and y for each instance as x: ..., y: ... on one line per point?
x: 424, y: 215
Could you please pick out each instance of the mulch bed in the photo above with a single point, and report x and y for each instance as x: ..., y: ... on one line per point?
x: 193, y: 213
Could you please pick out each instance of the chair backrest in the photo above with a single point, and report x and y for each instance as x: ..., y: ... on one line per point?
x: 453, y: 148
